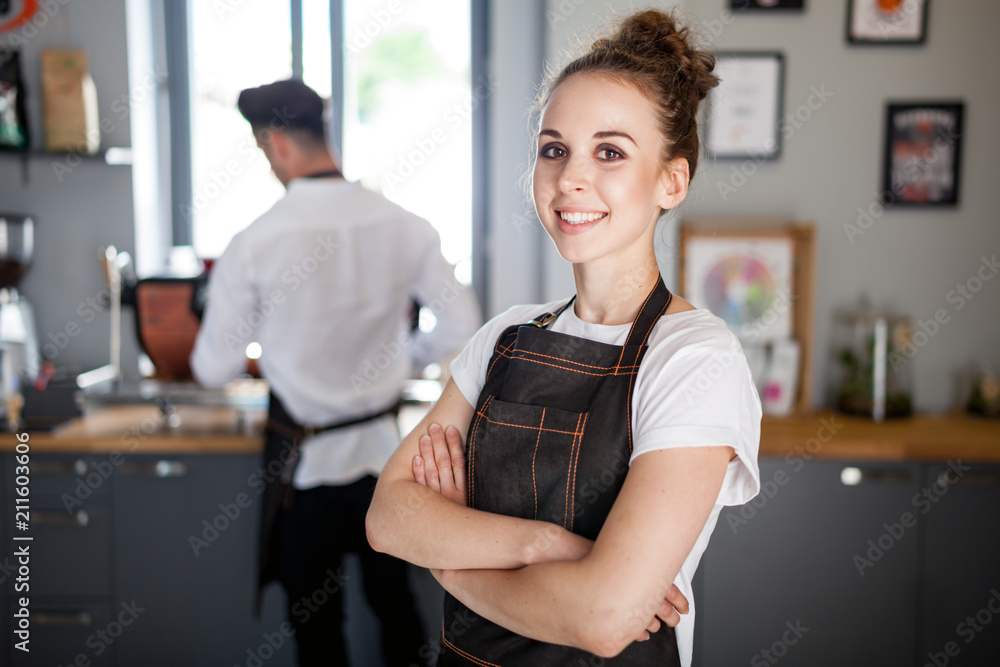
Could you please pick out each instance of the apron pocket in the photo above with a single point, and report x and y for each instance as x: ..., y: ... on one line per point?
x: 526, y: 466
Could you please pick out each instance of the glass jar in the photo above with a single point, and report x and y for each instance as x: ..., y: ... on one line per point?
x: 875, y: 351
x: 984, y: 399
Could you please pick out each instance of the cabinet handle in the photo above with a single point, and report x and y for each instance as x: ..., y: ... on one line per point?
x: 158, y: 469
x: 83, y: 618
x: 852, y: 476
x: 972, y: 477
x: 80, y: 518
x: 78, y: 467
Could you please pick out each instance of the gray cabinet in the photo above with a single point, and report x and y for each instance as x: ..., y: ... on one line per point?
x: 150, y: 560
x: 818, y: 570
x: 184, y: 551
x: 960, y: 578
x: 70, y: 567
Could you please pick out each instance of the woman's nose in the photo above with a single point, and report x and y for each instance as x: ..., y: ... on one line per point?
x: 574, y: 176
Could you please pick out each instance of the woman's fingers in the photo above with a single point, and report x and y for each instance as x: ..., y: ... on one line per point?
x: 653, y: 626
x: 454, y: 439
x: 442, y: 460
x: 430, y: 465
x: 441, y: 464
x: 668, y: 614
x: 418, y: 470
x: 677, y: 599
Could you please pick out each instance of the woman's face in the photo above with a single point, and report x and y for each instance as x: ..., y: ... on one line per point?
x: 599, y: 183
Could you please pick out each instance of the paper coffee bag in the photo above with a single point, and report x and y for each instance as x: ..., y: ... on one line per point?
x: 69, y: 103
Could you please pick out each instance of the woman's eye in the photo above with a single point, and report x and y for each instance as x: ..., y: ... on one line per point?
x: 610, y: 154
x: 553, y: 152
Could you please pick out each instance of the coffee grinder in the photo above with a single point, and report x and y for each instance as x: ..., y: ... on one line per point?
x: 19, y: 356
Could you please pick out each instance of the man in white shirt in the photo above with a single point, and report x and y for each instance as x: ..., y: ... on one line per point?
x: 325, y: 282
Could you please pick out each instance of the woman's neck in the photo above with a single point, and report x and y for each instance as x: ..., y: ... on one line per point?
x: 612, y: 292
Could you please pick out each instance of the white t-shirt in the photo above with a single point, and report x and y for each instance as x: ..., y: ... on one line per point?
x: 693, y: 389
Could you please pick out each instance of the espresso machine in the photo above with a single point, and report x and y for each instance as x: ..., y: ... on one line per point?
x: 19, y: 353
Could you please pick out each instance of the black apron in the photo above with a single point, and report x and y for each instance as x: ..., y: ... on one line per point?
x: 551, y: 440
x: 283, y: 438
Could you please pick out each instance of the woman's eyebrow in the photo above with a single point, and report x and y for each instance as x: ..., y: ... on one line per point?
x: 549, y: 132
x: 614, y: 133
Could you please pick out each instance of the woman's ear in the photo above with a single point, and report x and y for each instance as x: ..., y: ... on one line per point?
x: 674, y: 181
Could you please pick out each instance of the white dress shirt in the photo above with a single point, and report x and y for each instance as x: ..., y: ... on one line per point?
x: 324, y: 282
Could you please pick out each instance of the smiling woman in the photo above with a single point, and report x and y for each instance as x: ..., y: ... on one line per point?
x: 568, y: 527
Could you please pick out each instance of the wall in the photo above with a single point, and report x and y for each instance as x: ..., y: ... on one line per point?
x: 909, y: 260
x: 78, y: 207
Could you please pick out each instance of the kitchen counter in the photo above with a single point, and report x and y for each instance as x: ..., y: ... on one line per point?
x: 143, y: 429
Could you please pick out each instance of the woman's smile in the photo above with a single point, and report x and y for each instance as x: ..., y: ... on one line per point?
x: 577, y: 221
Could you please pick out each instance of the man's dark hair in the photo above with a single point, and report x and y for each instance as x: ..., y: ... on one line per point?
x: 290, y: 106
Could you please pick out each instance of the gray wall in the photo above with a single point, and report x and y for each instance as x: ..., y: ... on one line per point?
x: 88, y: 207
x: 910, y: 259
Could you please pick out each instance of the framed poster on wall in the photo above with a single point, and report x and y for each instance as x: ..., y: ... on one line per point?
x: 757, y: 276
x: 923, y: 151
x: 744, y: 110
x: 764, y: 5
x: 887, y: 21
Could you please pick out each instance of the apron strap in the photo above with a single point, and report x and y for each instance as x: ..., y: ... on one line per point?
x: 655, y: 305
x: 545, y: 319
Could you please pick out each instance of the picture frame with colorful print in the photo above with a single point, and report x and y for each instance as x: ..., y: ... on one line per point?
x: 767, y: 5
x: 887, y: 22
x: 923, y: 152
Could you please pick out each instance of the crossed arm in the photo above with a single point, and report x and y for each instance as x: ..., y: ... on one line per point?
x: 534, y: 577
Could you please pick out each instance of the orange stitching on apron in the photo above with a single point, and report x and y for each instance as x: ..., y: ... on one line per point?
x: 670, y: 297
x: 628, y: 411
x: 641, y: 308
x: 571, y: 498
x: 534, y: 484
x: 632, y: 369
x: 568, y: 361
x: 468, y: 656
x: 472, y: 453
x: 500, y: 352
x: 547, y: 430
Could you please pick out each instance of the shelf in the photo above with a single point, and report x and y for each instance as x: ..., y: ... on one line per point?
x: 114, y: 155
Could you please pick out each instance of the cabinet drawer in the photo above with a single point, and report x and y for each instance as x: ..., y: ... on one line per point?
x: 61, y: 631
x: 71, y: 551
x: 78, y: 477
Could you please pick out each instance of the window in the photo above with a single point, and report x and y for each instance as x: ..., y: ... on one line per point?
x: 231, y: 181
x: 405, y: 118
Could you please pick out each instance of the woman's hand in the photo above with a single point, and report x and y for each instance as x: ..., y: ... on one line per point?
x: 440, y: 466
x: 673, y: 605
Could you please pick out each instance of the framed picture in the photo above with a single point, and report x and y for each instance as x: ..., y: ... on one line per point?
x: 757, y: 276
x: 923, y: 151
x: 744, y: 110
x: 752, y: 5
x: 887, y: 21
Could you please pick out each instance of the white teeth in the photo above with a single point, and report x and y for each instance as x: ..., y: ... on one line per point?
x: 578, y: 218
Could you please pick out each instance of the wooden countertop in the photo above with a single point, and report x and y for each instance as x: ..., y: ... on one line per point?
x: 142, y: 429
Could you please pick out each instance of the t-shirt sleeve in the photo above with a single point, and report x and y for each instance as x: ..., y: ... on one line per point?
x: 698, y: 392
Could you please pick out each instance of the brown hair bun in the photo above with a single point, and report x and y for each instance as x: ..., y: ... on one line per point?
x: 651, y: 50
